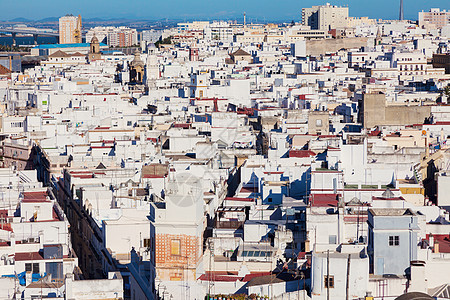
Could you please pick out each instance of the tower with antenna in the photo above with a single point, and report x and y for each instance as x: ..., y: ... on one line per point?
x: 400, y: 15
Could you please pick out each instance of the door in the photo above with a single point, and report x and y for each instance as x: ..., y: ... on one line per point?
x: 380, y: 266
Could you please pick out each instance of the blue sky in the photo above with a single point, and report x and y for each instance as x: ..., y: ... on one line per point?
x: 257, y: 10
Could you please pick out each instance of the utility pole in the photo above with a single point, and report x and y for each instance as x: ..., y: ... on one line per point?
x: 357, y: 226
x: 328, y: 274
x: 348, y: 277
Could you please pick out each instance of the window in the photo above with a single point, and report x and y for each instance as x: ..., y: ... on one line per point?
x: 319, y: 123
x: 332, y: 239
x: 175, y: 276
x: 32, y: 267
x: 175, y: 247
x: 16, y: 124
x: 147, y: 243
x: 129, y: 123
x: 394, y: 240
x: 329, y: 281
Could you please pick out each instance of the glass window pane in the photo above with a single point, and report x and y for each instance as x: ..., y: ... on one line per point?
x: 175, y: 247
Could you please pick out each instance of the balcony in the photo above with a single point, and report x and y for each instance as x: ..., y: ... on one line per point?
x: 231, y: 224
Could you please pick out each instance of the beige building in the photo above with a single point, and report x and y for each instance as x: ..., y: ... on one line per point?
x: 62, y: 59
x: 114, y: 36
x: 442, y: 61
x: 318, y: 122
x: 358, y: 21
x: 70, y: 29
x: 376, y: 112
x: 325, y: 17
x: 435, y: 17
x: 15, y: 154
x: 241, y: 55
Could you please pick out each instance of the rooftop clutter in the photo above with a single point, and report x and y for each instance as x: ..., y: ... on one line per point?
x: 274, y: 160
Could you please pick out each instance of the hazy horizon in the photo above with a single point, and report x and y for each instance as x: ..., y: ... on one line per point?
x: 260, y: 11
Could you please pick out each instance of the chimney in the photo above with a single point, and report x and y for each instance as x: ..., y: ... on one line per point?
x: 436, y: 247
x: 41, y: 240
x: 307, y: 246
x: 418, y: 283
x: 69, y: 285
x: 368, y: 296
x: 12, y: 238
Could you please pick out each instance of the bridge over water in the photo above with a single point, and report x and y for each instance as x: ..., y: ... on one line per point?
x: 28, y: 30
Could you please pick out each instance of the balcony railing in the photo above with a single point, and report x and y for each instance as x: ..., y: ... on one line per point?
x: 232, y: 224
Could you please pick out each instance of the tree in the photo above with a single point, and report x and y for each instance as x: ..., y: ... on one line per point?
x: 447, y: 91
x: 165, y: 41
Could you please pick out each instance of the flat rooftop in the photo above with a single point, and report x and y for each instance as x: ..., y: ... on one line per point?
x: 392, y: 212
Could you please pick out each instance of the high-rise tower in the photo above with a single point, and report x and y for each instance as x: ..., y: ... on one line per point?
x: 400, y: 15
x: 70, y: 29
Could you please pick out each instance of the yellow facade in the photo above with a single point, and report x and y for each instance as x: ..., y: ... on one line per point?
x: 411, y: 190
x: 70, y: 29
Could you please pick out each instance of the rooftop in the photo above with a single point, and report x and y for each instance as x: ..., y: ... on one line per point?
x: 392, y: 212
x: 324, y: 200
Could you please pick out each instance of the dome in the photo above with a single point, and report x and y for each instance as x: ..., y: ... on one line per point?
x: 414, y: 296
x: 137, y: 59
x: 94, y: 40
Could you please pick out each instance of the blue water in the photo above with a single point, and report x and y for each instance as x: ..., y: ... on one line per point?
x: 28, y: 40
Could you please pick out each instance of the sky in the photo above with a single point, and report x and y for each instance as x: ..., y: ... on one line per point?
x: 256, y: 10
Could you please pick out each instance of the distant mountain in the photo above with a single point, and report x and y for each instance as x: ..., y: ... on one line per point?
x: 50, y: 19
x: 94, y: 20
x: 21, y: 20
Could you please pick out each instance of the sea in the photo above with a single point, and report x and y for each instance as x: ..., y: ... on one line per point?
x: 27, y: 40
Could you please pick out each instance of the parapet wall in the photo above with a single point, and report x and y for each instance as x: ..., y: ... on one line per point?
x: 322, y: 46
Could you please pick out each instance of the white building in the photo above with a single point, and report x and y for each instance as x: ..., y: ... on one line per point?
x: 114, y: 36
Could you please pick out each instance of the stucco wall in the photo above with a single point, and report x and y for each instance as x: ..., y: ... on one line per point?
x: 321, y: 46
x: 376, y: 112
